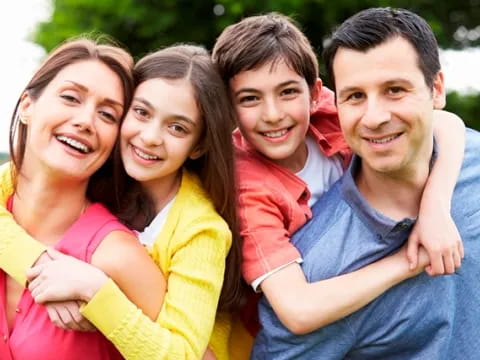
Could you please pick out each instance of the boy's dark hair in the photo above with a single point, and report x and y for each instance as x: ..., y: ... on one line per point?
x: 257, y: 40
x: 372, y: 27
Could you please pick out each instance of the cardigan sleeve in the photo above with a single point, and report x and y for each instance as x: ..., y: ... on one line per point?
x: 18, y: 250
x: 185, y: 323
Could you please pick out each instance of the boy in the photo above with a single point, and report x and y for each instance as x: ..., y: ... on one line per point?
x: 290, y: 150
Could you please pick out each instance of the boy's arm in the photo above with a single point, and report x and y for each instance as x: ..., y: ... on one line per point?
x: 304, y: 307
x: 18, y: 250
x: 435, y: 229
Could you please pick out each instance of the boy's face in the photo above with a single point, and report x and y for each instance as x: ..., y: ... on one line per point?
x: 273, y: 109
x: 385, y: 107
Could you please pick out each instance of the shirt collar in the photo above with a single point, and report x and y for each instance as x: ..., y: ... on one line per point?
x: 382, y: 225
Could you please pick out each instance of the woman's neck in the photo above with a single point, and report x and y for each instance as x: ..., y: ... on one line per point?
x: 45, y: 208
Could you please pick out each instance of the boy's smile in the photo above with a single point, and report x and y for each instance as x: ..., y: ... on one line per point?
x: 272, y: 103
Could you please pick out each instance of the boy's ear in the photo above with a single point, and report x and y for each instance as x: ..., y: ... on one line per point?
x: 25, y: 108
x: 314, y: 94
x: 438, y: 91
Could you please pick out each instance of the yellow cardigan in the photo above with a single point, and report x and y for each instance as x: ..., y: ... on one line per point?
x: 190, y: 250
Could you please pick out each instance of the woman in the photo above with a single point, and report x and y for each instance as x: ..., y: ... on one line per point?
x: 176, y: 147
x: 64, y: 127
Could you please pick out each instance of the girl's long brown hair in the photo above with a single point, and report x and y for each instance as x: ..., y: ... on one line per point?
x: 215, y: 167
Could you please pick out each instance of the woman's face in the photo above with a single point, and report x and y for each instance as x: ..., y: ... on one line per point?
x: 72, y: 126
x: 161, y: 131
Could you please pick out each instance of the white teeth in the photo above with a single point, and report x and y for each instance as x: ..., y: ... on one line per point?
x: 384, y: 140
x: 143, y: 155
x: 74, y: 143
x: 274, y: 134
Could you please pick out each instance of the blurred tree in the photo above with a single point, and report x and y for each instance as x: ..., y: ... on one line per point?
x: 145, y: 25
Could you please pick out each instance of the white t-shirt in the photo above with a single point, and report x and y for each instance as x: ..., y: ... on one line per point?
x: 319, y: 173
x: 148, y: 236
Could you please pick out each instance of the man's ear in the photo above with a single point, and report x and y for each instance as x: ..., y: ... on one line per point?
x: 438, y: 91
x: 314, y: 94
x: 25, y: 108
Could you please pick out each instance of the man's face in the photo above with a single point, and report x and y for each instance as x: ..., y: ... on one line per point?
x: 385, y: 107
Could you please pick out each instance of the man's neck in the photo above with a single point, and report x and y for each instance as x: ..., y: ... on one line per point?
x: 396, y: 195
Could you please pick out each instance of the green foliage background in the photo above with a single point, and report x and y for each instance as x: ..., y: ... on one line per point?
x: 146, y: 25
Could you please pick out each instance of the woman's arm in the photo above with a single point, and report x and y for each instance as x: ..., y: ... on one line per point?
x: 435, y: 229
x: 303, y: 307
x: 183, y: 327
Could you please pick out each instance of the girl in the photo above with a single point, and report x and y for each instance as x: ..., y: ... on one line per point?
x: 64, y: 127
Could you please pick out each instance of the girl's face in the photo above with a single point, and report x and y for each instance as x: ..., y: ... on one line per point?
x: 72, y: 126
x: 161, y: 131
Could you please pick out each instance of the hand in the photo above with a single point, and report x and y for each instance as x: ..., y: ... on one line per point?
x: 423, y: 260
x: 66, y: 315
x: 209, y: 355
x: 64, y: 278
x: 438, y: 234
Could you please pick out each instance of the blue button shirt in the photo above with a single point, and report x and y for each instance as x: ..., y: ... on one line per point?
x: 421, y: 318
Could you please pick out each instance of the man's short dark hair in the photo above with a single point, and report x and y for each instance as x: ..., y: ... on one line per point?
x: 372, y: 27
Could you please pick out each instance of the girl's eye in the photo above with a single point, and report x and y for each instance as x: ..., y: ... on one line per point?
x: 178, y: 128
x: 140, y: 111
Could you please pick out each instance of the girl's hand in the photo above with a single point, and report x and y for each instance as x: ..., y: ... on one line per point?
x: 438, y: 234
x: 64, y: 278
x: 66, y: 315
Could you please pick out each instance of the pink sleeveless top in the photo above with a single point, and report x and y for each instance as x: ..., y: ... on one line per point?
x: 33, y: 335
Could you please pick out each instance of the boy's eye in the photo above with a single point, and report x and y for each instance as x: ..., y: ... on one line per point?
x: 289, y: 91
x: 355, y: 96
x: 248, y: 99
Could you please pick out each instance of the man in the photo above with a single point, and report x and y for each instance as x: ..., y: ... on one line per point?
x: 386, y: 73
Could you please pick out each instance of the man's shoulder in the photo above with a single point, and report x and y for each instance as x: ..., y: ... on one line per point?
x: 329, y: 213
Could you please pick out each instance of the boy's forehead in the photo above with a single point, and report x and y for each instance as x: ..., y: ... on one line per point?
x: 273, y: 72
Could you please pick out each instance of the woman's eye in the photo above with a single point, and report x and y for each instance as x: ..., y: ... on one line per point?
x: 69, y: 98
x: 109, y: 116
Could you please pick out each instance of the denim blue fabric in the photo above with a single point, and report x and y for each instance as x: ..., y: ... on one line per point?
x: 422, y: 318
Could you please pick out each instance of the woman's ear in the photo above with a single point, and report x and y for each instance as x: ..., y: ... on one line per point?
x: 25, y: 108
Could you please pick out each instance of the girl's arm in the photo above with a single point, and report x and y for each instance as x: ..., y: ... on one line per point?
x: 18, y: 250
x: 435, y: 229
x: 184, y: 325
x: 304, y: 307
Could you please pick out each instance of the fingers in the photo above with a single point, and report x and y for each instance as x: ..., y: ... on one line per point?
x: 412, y: 251
x: 33, y: 272
x: 54, y: 254
x: 436, y: 263
x: 66, y: 315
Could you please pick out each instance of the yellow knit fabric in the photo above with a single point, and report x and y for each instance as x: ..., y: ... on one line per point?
x: 18, y: 251
x: 191, y: 252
